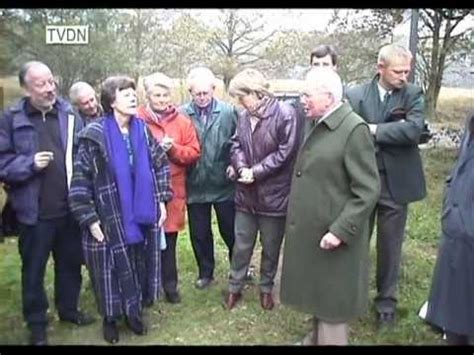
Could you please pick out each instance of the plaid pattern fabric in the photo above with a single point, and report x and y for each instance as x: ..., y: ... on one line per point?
x: 121, y: 274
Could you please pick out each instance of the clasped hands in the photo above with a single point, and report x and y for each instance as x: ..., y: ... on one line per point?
x: 245, y: 175
x: 167, y: 143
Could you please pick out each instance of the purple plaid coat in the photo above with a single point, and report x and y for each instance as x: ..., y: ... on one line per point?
x: 121, y: 274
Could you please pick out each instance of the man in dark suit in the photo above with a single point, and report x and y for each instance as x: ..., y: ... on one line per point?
x: 394, y: 110
x: 322, y: 56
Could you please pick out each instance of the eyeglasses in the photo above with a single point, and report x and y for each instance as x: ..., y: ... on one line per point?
x: 201, y: 93
x: 317, y: 64
x: 307, y: 95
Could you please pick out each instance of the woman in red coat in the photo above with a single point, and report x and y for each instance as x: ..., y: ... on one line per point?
x: 178, y: 137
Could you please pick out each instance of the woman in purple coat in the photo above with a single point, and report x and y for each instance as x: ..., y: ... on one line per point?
x: 262, y: 156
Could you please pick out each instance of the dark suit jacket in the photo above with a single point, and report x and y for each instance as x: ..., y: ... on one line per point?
x: 399, y: 125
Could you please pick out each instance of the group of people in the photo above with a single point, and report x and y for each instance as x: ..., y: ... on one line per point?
x: 108, y: 185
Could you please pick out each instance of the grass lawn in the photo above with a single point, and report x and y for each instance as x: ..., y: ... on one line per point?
x: 201, y: 320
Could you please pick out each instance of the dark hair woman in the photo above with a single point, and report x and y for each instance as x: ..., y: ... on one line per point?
x: 120, y: 184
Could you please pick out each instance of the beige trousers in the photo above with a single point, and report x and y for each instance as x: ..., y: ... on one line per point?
x: 332, y: 333
x: 324, y: 333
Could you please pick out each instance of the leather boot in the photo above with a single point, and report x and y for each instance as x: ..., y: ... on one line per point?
x: 232, y: 299
x: 266, y: 300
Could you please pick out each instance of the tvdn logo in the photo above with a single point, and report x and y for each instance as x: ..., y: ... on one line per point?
x: 67, y: 34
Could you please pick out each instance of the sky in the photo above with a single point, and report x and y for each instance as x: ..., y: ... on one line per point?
x: 302, y: 19
x: 307, y: 19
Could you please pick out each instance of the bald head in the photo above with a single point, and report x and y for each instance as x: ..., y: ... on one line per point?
x: 38, y: 83
x: 26, y: 67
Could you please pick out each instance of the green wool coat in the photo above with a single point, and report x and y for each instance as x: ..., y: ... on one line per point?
x: 335, y: 186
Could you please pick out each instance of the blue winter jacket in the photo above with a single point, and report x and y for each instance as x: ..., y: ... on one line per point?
x: 18, y: 145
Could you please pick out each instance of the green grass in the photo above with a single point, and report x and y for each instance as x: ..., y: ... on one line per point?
x: 201, y: 320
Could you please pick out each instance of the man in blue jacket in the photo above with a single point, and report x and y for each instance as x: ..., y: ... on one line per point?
x: 36, y: 154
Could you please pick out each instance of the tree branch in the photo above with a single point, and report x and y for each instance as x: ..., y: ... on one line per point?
x: 245, y: 49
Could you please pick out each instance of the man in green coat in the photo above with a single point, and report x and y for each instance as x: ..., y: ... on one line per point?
x: 334, y: 188
x: 207, y: 181
x: 394, y: 110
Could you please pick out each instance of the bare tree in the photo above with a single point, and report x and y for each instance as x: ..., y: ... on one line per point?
x: 357, y: 36
x: 187, y: 43
x: 439, y: 46
x: 142, y: 33
x: 238, y: 41
x: 289, y: 51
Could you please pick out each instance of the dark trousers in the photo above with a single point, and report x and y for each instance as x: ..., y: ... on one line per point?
x: 61, y: 237
x: 391, y: 221
x: 272, y: 230
x: 169, y: 271
x: 199, y: 216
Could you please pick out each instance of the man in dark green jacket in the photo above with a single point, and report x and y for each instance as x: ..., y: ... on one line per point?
x: 394, y: 110
x: 207, y: 183
x: 334, y: 188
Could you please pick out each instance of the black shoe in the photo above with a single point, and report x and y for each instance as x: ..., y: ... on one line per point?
x: 203, y: 283
x: 147, y: 302
x: 110, y: 331
x: 79, y: 318
x: 136, y: 325
x: 38, y: 335
x: 385, y: 319
x: 173, y: 297
x: 456, y: 339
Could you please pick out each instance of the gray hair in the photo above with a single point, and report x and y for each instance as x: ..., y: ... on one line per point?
x: 76, y: 89
x: 200, y: 74
x: 248, y: 81
x: 326, y: 79
x: 157, y: 79
x: 25, y: 68
x: 390, y: 51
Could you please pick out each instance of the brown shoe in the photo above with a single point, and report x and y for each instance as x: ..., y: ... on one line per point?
x: 266, y: 300
x: 232, y: 299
